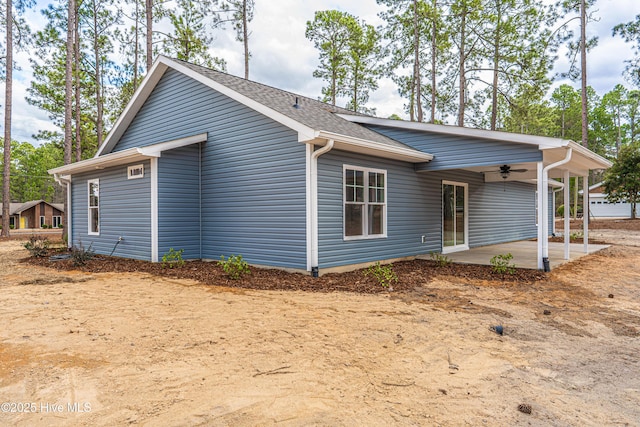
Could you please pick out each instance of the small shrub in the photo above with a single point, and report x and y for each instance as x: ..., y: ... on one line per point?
x: 576, y: 235
x: 37, y: 246
x: 384, y: 274
x: 173, y: 259
x: 501, y: 264
x: 80, y: 255
x: 440, y: 259
x: 234, y: 266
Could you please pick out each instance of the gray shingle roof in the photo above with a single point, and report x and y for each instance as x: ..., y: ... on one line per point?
x: 16, y: 208
x: 312, y: 113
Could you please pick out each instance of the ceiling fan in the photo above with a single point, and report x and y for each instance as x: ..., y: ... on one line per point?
x: 506, y: 170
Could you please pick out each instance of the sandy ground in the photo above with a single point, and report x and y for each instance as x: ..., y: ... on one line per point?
x: 81, y: 349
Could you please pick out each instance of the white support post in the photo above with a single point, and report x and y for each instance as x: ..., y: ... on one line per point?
x: 567, y: 214
x: 154, y: 208
x: 585, y: 212
x: 541, y: 216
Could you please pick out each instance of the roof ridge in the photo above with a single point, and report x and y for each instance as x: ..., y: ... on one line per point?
x: 335, y: 108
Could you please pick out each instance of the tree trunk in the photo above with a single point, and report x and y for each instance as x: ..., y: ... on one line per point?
x: 8, y: 94
x: 583, y: 65
x: 434, y: 40
x: 149, y: 14
x: 136, y: 51
x: 68, y: 100
x: 463, y: 82
x: 77, y: 90
x: 96, y: 52
x: 416, y: 62
x: 245, y: 38
x: 496, y: 60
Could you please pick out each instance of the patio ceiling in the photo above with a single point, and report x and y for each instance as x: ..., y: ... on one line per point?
x: 582, y: 161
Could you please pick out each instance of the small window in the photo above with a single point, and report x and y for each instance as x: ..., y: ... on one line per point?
x: 94, y: 206
x: 135, y: 172
x: 365, y: 206
x: 56, y: 221
x: 42, y: 221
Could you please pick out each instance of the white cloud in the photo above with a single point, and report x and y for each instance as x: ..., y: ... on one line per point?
x: 284, y: 58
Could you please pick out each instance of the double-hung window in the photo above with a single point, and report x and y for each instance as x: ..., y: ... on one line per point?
x: 94, y: 206
x: 365, y: 203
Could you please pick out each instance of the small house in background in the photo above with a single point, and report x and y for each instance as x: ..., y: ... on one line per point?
x: 35, y: 214
x: 600, y: 207
x: 217, y: 165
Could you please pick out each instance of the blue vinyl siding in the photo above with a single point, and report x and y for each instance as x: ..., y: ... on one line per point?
x: 253, y: 174
x: 125, y: 210
x: 456, y: 152
x: 254, y: 198
x: 498, y: 212
x: 179, y: 217
x: 178, y: 107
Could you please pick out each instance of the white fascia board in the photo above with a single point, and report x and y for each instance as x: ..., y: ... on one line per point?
x: 113, y: 159
x: 155, y: 150
x: 133, y: 106
x: 598, y: 160
x: 540, y: 141
x: 377, y: 149
x: 305, y: 133
x: 129, y: 155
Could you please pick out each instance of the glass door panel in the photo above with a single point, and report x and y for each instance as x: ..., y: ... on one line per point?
x: 454, y: 216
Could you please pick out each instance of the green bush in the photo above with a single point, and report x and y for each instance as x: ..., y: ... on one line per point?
x: 560, y: 210
x: 234, y: 266
x: 80, y: 255
x: 440, y: 259
x: 384, y: 274
x: 173, y: 259
x: 37, y: 246
x: 501, y: 264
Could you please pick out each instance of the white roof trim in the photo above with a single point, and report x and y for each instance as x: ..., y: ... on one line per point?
x: 158, y: 69
x: 304, y: 132
x: 543, y: 142
x: 357, y: 145
x: 596, y: 158
x: 126, y: 156
x: 540, y: 141
x: 133, y: 106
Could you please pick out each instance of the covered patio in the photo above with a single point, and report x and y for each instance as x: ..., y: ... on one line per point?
x: 524, y: 253
x: 561, y: 161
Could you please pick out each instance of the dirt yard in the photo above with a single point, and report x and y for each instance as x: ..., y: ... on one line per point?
x: 80, y: 348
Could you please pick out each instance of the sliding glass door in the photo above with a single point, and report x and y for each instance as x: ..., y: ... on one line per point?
x: 454, y: 216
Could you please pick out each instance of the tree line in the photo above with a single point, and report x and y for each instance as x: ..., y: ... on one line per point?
x: 481, y: 63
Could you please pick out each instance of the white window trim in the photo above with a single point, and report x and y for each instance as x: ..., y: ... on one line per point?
x: 43, y: 220
x: 54, y: 223
x: 465, y: 246
x: 89, y: 207
x: 133, y: 168
x: 365, y: 212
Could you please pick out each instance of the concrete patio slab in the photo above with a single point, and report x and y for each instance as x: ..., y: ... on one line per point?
x: 525, y: 253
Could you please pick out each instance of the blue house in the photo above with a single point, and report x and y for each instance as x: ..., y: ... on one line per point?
x: 215, y: 164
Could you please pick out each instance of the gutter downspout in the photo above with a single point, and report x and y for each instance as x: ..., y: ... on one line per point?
x: 67, y: 183
x: 314, y: 205
x: 545, y: 207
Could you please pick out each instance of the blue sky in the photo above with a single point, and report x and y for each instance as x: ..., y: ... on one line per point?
x: 284, y: 58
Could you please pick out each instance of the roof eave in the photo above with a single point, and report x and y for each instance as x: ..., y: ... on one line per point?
x: 541, y: 141
x: 129, y: 155
x: 357, y: 145
x: 97, y: 163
